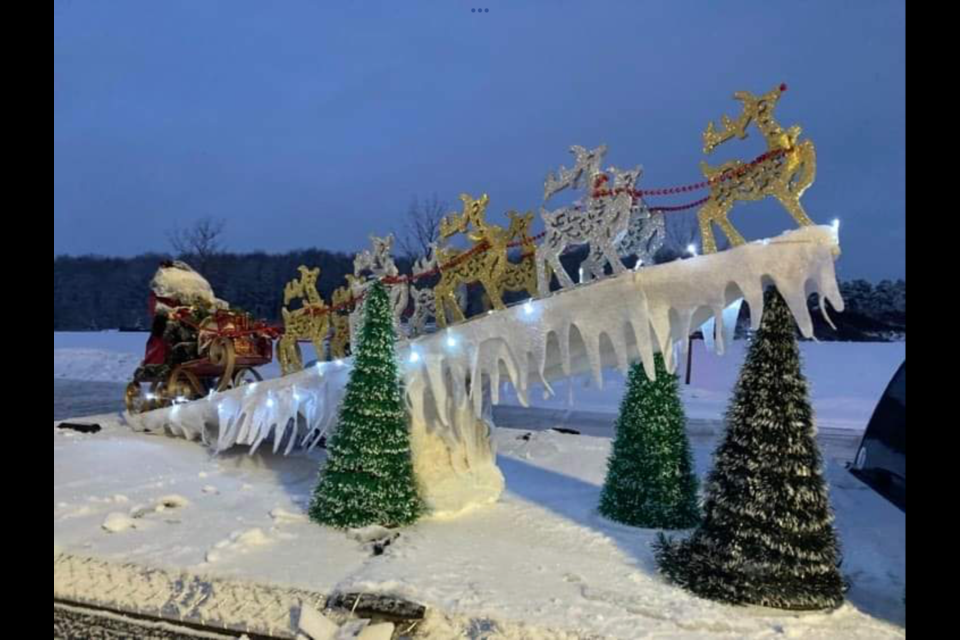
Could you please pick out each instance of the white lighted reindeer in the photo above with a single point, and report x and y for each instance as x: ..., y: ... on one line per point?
x: 601, y: 222
x: 645, y: 236
x: 370, y: 266
x: 424, y: 298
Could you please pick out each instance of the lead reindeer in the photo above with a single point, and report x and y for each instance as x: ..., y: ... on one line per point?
x: 785, y: 173
x: 310, y: 322
x: 601, y: 222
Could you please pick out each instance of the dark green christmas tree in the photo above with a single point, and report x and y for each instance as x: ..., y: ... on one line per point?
x: 369, y: 479
x: 651, y: 481
x: 768, y: 534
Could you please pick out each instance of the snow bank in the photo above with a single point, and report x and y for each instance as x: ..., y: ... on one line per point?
x: 538, y: 564
x: 92, y: 365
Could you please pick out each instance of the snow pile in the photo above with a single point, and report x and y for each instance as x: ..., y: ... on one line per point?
x: 94, y: 365
x: 238, y: 543
x: 316, y: 625
x: 119, y: 523
x: 377, y: 632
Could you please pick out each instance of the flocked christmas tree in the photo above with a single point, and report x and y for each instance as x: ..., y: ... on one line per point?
x: 768, y: 534
x: 369, y: 479
x: 651, y: 481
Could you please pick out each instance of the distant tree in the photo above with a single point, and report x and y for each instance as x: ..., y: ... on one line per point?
x: 421, y: 226
x: 199, y: 243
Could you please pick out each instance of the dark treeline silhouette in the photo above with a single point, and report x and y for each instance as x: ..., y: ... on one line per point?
x: 96, y: 293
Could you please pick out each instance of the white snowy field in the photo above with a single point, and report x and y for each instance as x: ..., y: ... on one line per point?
x: 847, y: 379
x: 540, y: 564
x: 111, y: 356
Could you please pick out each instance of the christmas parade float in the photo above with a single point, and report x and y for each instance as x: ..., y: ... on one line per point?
x: 454, y: 376
x: 402, y: 393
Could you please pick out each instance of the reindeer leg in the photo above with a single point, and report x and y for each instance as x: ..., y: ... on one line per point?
x: 613, y: 257
x: 707, y: 215
x: 592, y: 267
x: 543, y: 277
x: 494, y: 293
x: 458, y: 314
x: 730, y: 231
x: 441, y: 294
x: 530, y: 278
x: 792, y: 204
x: 566, y: 282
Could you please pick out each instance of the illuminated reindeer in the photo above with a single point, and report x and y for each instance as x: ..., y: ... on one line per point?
x: 789, y: 169
x: 378, y: 264
x: 645, y: 235
x: 600, y: 222
x: 340, y: 320
x: 424, y: 298
x: 521, y: 276
x: 486, y: 262
x: 310, y: 322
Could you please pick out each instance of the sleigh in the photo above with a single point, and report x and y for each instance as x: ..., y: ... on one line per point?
x: 230, y: 347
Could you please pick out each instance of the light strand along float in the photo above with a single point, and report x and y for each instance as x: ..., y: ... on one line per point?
x: 454, y: 377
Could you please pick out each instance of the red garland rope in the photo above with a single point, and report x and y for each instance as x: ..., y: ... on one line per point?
x: 599, y: 192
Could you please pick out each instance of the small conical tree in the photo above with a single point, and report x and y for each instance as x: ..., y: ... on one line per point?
x: 651, y: 481
x: 369, y: 479
x: 768, y: 534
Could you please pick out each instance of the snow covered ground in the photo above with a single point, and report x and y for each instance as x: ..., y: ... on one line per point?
x: 540, y: 559
x: 847, y: 381
x: 540, y: 564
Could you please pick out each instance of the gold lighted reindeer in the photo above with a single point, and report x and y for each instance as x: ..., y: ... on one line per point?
x: 310, y: 322
x: 521, y: 276
x: 486, y: 262
x: 787, y: 170
x: 340, y: 340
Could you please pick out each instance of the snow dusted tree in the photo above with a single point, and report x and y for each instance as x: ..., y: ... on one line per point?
x: 768, y: 534
x: 651, y: 481
x: 369, y: 479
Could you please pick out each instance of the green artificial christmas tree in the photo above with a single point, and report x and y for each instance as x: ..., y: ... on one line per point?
x: 369, y: 478
x: 768, y: 534
x: 651, y: 481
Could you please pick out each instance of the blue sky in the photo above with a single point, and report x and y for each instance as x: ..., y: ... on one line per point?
x: 314, y: 122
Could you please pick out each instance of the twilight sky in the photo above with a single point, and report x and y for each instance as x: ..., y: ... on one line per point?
x: 315, y: 122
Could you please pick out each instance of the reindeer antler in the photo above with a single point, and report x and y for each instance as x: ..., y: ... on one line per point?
x: 738, y: 128
x: 588, y: 163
